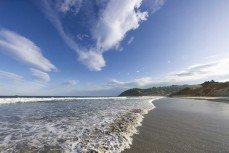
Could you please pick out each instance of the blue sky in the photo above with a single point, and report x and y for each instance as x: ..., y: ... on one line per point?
x: 103, y: 47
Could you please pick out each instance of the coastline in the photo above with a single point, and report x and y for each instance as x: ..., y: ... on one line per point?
x: 180, y: 125
x: 213, y: 99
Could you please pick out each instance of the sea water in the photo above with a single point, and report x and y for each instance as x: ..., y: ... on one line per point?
x: 70, y: 124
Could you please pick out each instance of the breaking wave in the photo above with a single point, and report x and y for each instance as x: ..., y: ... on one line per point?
x: 92, y: 124
x: 35, y: 99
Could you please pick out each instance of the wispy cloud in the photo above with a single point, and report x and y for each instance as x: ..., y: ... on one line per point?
x: 19, y: 86
x: 50, y: 10
x: 23, y: 49
x: 10, y: 75
x: 115, y: 20
x: 130, y: 40
x: 143, y: 81
x: 71, y: 82
x: 206, y: 71
x: 155, y: 5
x: 211, y: 57
x: 140, y: 82
x: 213, y: 69
x: 40, y: 75
x: 82, y: 36
x: 217, y: 70
x: 38, y: 86
x: 72, y: 6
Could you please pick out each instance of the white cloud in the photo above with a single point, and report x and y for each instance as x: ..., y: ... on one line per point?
x: 82, y: 36
x: 140, y: 82
x: 208, y: 71
x: 19, y: 86
x: 143, y: 81
x: 119, y: 17
x: 40, y: 75
x: 22, y: 87
x: 10, y: 75
x: 130, y: 40
x: 116, y: 18
x: 114, y: 82
x: 156, y: 5
x: 52, y: 15
x: 93, y: 59
x: 211, y: 57
x: 211, y: 70
x: 71, y: 82
x: 73, y: 6
x: 86, y: 57
x: 223, y: 80
x: 24, y: 50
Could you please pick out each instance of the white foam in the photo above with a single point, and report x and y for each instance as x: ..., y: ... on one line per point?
x: 97, y: 130
x: 7, y: 139
x: 23, y: 100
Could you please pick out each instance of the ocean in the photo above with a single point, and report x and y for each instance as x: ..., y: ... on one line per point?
x: 70, y: 124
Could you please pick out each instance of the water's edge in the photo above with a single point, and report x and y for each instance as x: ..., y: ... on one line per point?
x: 110, y: 135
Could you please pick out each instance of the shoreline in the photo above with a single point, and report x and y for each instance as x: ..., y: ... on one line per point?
x: 212, y: 99
x: 180, y: 125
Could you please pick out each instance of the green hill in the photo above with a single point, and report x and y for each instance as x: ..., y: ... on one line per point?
x: 207, y: 89
x: 155, y: 91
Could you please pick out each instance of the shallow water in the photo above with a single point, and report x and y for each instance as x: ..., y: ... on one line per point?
x: 103, y: 124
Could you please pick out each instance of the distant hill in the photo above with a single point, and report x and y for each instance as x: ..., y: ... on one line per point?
x: 156, y: 91
x: 207, y: 89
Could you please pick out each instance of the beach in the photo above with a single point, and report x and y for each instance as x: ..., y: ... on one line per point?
x: 183, y: 126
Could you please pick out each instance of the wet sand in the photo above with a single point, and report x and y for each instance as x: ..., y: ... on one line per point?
x: 213, y: 99
x: 184, y: 126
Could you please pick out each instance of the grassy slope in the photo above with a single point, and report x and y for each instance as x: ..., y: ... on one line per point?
x: 208, y: 88
x: 155, y: 91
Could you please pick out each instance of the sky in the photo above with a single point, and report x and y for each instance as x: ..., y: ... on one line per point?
x: 103, y: 47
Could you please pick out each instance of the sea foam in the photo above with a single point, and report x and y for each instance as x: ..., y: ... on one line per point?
x: 34, y: 99
x: 76, y: 125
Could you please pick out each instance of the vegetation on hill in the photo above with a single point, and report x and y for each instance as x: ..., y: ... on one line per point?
x: 155, y: 91
x: 208, y: 88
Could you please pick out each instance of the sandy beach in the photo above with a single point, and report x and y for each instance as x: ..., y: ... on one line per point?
x: 213, y: 99
x: 184, y: 126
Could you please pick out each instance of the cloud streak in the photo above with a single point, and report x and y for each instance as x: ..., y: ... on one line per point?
x: 130, y: 41
x: 40, y: 75
x: 156, y: 5
x: 19, y: 86
x: 198, y: 72
x: 140, y: 82
x: 115, y: 19
x: 71, y: 82
x: 72, y: 6
x: 10, y: 75
x: 213, y: 69
x: 23, y: 49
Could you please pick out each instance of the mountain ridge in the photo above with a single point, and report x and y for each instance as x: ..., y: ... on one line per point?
x: 207, y: 89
